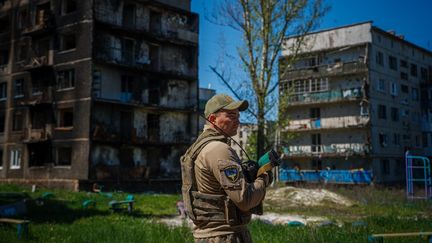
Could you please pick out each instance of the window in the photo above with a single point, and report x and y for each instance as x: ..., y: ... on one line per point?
x: 404, y: 76
x: 396, y: 139
x: 425, y: 139
x: 1, y: 159
x: 404, y: 88
x: 36, y: 86
x: 415, y: 94
x: 404, y: 112
x: 382, y: 139
x: 68, y: 6
x: 380, y: 58
x: 393, y: 63
x: 19, y: 88
x: 382, y: 112
x: 381, y: 85
x: 315, y: 113
x: 67, y: 42
x: 393, y: 89
x: 395, y: 114
x: 63, y: 156
x: 385, y: 166
x: 403, y: 63
x: 128, y: 51
x: 2, y: 120
x: 65, y: 79
x: 3, y: 91
x: 129, y: 11
x: 413, y: 70
x: 17, y: 121
x: 65, y: 117
x: 4, y: 24
x: 307, y: 86
x: 316, y: 142
x: 4, y: 57
x: 126, y: 87
x: 15, y: 158
x: 423, y: 74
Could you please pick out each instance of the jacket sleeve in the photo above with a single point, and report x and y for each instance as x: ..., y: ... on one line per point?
x: 225, y: 164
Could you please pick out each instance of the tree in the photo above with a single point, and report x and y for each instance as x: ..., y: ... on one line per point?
x: 263, y: 25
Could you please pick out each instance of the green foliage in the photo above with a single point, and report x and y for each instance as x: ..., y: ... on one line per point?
x: 63, y: 219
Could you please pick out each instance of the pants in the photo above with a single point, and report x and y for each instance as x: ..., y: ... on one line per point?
x: 239, y: 237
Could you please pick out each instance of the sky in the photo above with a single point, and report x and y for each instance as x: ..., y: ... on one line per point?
x: 413, y: 19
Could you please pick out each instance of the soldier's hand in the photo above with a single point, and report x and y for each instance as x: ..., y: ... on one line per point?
x: 267, y: 178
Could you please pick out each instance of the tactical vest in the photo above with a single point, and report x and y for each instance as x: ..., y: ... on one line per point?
x: 202, y: 206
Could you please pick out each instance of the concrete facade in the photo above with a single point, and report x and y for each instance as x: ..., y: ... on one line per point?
x: 359, y: 97
x: 97, y: 90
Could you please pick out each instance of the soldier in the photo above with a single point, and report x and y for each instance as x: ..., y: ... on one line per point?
x: 216, y: 195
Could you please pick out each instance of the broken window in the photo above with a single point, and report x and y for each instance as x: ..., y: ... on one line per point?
x: 382, y: 112
x: 315, y: 113
x: 423, y: 74
x: 126, y: 124
x: 4, y: 24
x: 18, y: 88
x: 415, y: 94
x: 15, y: 158
x: 404, y: 88
x: 42, y: 12
x: 65, y: 79
x: 404, y: 76
x: 126, y: 87
x: 154, y: 92
x: 153, y: 127
x: 403, y: 63
x: 17, y: 121
x: 63, y: 156
x: 67, y: 42
x: 39, y: 153
x: 3, y: 91
x: 22, y: 51
x: 393, y: 62
x: 396, y: 139
x: 39, y: 117
x: 380, y: 58
x: 4, y: 57
x: 128, y: 51
x: 65, y: 117
x: 129, y: 15
x: 413, y: 70
x: 68, y: 6
x: 385, y: 166
x: 316, y: 142
x: 154, y: 56
x: 394, y: 114
x: 382, y: 139
x: 1, y: 158
x: 2, y: 121
x: 23, y: 19
x: 36, y: 86
x: 155, y: 22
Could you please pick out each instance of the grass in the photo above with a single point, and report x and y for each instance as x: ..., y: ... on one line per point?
x: 63, y: 219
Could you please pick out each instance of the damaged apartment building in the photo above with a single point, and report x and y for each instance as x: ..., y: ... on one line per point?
x: 358, y: 98
x: 100, y: 90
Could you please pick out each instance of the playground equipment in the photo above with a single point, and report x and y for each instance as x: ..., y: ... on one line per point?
x: 418, y: 174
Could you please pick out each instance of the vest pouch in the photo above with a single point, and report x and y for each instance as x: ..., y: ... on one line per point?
x: 208, y: 207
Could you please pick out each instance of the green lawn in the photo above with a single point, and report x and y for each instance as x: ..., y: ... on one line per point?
x: 63, y: 219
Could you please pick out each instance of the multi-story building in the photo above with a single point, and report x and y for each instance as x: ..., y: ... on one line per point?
x: 204, y: 95
x: 354, y: 100
x: 244, y: 131
x: 96, y: 90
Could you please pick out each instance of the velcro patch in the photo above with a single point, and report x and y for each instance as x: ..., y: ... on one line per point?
x: 232, y: 173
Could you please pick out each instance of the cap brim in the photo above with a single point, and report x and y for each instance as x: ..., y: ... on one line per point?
x: 240, y: 105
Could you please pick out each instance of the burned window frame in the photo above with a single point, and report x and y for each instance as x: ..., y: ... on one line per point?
x: 65, y: 79
x: 66, y: 150
x: 64, y: 7
x: 61, y: 123
x: 17, y: 120
x: 18, y: 88
x: 3, y: 91
x: 64, y: 42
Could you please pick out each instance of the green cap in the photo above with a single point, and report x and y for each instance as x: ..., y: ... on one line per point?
x: 223, y: 101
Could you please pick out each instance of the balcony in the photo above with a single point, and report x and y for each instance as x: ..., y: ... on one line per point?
x: 128, y: 99
x: 328, y: 123
x: 337, y: 69
x: 334, y: 150
x: 325, y: 97
x: 37, y: 135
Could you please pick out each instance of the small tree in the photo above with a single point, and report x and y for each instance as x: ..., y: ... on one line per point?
x: 263, y: 25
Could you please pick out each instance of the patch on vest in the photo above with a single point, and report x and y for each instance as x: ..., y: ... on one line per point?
x: 232, y: 173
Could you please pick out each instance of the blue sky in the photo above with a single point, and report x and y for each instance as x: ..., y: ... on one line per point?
x: 413, y: 19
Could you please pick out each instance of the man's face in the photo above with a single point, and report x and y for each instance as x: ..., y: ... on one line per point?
x: 228, y: 121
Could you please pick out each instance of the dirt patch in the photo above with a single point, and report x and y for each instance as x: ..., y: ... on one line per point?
x: 296, y: 197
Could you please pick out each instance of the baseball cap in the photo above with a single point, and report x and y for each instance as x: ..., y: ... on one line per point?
x: 223, y: 101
